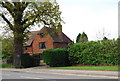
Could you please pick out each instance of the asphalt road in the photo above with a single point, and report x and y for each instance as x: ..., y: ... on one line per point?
x: 8, y: 74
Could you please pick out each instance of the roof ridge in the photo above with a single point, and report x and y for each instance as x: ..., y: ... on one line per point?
x: 35, y: 31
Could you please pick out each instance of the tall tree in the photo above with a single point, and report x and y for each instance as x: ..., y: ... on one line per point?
x: 21, y: 15
x: 78, y: 38
x: 83, y: 37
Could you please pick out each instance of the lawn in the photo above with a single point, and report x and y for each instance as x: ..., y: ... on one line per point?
x: 6, y: 66
x: 98, y: 68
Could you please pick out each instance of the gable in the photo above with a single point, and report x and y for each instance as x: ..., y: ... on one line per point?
x: 51, y: 32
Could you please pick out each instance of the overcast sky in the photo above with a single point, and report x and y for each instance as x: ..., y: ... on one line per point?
x: 94, y: 17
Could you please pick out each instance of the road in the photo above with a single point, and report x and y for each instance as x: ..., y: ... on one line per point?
x: 9, y: 74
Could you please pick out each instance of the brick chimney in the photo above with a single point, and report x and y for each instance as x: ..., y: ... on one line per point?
x: 60, y: 31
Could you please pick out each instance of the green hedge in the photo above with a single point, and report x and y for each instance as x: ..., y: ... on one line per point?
x: 36, y: 59
x: 28, y: 60
x: 56, y: 57
x: 94, y: 53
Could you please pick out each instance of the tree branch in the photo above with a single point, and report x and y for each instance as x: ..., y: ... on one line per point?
x: 9, y: 7
x: 45, y: 22
x: 10, y: 25
x: 29, y: 23
x: 24, y: 21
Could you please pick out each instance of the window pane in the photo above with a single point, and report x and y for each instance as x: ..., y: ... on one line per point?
x: 42, y: 45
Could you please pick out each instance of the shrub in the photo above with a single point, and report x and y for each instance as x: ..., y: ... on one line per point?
x: 56, y: 57
x: 36, y: 59
x: 7, y: 48
x: 28, y: 60
x: 94, y: 53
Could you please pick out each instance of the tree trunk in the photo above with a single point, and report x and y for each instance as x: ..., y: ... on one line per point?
x: 18, y: 48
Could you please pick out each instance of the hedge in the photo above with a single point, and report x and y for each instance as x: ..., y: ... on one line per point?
x: 94, y: 53
x: 28, y: 60
x: 56, y: 57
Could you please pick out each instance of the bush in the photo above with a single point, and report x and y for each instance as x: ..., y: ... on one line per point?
x: 56, y: 57
x: 28, y: 60
x: 36, y: 59
x: 94, y: 53
x: 7, y: 48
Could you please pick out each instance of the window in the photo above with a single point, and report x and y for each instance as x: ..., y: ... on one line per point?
x: 41, y: 35
x: 25, y: 49
x: 42, y: 45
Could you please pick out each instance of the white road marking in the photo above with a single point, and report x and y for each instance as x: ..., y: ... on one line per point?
x: 31, y: 77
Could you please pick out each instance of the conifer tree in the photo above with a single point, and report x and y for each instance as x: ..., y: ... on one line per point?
x: 78, y: 38
x: 83, y: 37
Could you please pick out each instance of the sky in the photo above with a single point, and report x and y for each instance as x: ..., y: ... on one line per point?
x: 94, y: 17
x: 97, y: 18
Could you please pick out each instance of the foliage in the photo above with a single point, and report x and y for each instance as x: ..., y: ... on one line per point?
x: 94, y: 53
x: 36, y: 59
x: 7, y: 48
x: 83, y: 37
x: 78, y: 38
x: 30, y: 60
x: 26, y: 60
x: 7, y: 66
x: 105, y: 38
x: 56, y: 57
x: 20, y: 16
x: 118, y: 49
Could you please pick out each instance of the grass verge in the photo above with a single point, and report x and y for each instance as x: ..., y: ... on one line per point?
x: 6, y: 66
x: 98, y: 68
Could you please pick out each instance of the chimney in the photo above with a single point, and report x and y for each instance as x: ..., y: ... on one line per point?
x: 60, y: 30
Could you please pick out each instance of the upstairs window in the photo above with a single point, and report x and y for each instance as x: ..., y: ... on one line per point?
x: 42, y: 45
x: 41, y: 35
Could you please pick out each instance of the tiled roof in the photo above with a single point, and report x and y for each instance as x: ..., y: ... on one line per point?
x: 49, y: 31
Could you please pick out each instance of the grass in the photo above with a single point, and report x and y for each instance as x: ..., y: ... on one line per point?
x: 6, y: 66
x: 98, y: 68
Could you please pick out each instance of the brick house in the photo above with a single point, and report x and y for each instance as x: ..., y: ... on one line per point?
x: 45, y: 39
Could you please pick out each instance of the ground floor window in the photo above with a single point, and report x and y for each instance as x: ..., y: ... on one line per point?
x: 42, y: 45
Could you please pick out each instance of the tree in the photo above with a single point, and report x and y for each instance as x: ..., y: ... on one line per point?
x: 78, y: 38
x: 105, y: 38
x: 7, y: 48
x: 20, y: 16
x: 102, y: 34
x: 83, y: 37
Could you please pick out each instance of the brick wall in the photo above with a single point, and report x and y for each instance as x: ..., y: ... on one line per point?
x: 38, y: 39
x: 29, y: 50
x: 34, y: 49
x: 59, y: 45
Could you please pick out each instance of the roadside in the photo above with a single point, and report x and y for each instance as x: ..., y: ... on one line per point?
x: 111, y: 74
x: 96, y: 68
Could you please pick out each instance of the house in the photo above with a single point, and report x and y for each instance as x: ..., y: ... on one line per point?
x: 45, y: 39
